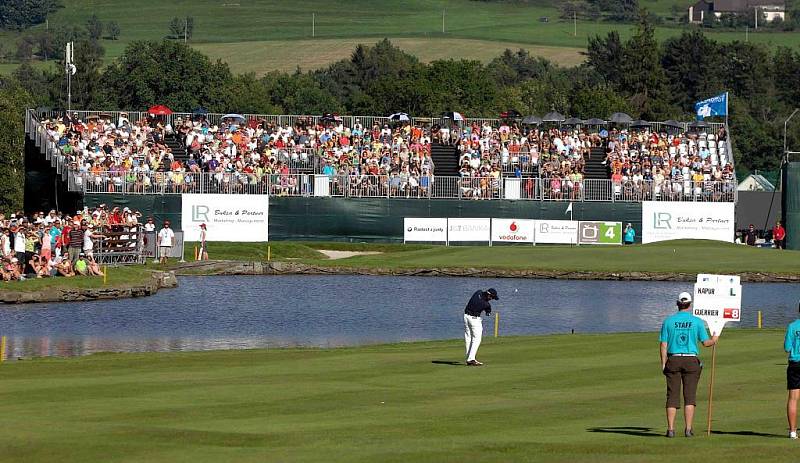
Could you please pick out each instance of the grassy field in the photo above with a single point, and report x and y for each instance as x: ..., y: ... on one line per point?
x: 567, y: 398
x: 285, y: 55
x: 687, y: 256
x: 117, y: 276
x: 263, y: 35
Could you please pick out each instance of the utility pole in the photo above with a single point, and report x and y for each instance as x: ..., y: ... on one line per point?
x: 755, y: 11
x: 442, y: 21
x: 70, y: 70
x: 313, y: 24
x: 185, y: 28
x: 575, y: 21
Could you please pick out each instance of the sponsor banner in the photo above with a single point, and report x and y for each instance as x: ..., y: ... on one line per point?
x: 556, y: 231
x: 513, y: 230
x: 600, y: 233
x: 717, y: 300
x: 672, y: 220
x: 227, y: 217
x: 424, y: 229
x: 468, y: 229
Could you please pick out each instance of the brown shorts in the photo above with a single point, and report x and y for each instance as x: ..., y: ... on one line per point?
x: 684, y: 370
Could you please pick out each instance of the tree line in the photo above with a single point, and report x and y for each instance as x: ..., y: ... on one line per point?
x: 639, y: 76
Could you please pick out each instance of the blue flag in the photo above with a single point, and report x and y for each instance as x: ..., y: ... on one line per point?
x: 714, y: 106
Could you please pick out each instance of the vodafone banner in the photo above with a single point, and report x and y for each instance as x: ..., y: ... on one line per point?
x: 227, y: 217
x: 425, y: 229
x: 672, y: 220
x: 468, y: 230
x: 556, y: 231
x: 513, y: 230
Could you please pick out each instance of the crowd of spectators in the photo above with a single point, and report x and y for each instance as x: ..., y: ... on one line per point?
x: 648, y: 163
x: 391, y: 158
x: 59, y: 244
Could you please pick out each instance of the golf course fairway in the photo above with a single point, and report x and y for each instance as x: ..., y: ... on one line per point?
x: 562, y: 398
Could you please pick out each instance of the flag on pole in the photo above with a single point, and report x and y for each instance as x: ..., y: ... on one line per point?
x: 569, y: 209
x: 714, y: 106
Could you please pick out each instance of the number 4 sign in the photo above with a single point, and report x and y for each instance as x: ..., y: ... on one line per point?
x: 717, y: 300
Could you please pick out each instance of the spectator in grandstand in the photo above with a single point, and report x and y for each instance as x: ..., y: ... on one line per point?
x: 779, y: 235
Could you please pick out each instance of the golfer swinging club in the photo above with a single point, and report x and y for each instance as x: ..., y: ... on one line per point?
x: 473, y: 325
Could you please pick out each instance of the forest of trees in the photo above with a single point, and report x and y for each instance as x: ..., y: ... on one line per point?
x: 647, y: 79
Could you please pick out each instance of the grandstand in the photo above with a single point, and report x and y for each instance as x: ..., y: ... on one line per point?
x: 134, y: 153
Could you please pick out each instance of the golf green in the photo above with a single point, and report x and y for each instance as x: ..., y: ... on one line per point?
x: 551, y: 398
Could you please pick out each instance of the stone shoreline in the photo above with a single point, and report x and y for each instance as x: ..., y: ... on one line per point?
x: 157, y: 281
x: 297, y: 268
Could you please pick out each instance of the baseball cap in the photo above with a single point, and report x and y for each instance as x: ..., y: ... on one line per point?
x: 202, y: 225
x: 493, y: 292
x: 684, y: 297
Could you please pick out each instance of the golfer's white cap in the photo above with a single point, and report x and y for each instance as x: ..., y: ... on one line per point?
x: 684, y: 297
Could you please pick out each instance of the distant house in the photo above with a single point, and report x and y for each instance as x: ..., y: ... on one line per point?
x: 770, y: 8
x: 756, y: 182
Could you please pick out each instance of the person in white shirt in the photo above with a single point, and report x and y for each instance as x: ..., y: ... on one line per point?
x: 88, y: 240
x: 150, y: 225
x: 166, y: 239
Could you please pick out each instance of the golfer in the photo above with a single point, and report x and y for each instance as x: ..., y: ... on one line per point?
x: 791, y: 344
x: 473, y: 325
x: 679, y: 362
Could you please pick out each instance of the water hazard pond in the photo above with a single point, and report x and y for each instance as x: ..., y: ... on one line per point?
x: 230, y: 312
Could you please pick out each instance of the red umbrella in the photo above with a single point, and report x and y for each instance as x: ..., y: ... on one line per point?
x: 159, y: 110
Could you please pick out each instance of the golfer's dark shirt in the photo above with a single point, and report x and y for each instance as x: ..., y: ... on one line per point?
x: 478, y: 304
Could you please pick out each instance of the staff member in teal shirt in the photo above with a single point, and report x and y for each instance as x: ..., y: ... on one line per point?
x: 791, y: 344
x: 679, y: 362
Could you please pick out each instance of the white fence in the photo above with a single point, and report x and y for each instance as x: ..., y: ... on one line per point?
x: 395, y: 186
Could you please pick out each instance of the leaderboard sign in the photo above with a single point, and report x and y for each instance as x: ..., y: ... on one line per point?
x: 529, y: 231
x: 717, y: 300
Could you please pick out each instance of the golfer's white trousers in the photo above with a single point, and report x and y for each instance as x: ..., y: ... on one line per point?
x: 473, y: 330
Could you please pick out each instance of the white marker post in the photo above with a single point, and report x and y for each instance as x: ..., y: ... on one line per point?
x: 717, y: 300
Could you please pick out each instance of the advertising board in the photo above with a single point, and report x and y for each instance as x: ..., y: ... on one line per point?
x: 425, y: 229
x: 671, y: 220
x: 243, y: 218
x: 475, y: 230
x: 600, y: 233
x: 556, y: 232
x: 513, y: 230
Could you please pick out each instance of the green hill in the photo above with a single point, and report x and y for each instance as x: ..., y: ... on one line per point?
x: 263, y: 35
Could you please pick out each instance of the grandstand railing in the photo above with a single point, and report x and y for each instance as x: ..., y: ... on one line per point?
x: 431, y: 187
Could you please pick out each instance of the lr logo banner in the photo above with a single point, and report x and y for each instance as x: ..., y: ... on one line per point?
x: 662, y: 220
x: 200, y: 213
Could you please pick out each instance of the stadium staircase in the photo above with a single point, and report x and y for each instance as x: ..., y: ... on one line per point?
x: 177, y: 148
x: 594, y: 168
x: 445, y: 159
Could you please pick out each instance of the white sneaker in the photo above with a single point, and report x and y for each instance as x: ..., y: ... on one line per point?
x: 792, y: 434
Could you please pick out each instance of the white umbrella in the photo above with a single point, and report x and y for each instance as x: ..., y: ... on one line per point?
x: 402, y: 117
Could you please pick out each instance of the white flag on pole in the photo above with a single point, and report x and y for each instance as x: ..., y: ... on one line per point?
x: 569, y: 209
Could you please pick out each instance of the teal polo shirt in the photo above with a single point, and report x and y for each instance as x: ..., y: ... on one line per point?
x: 791, y: 342
x: 681, y: 333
